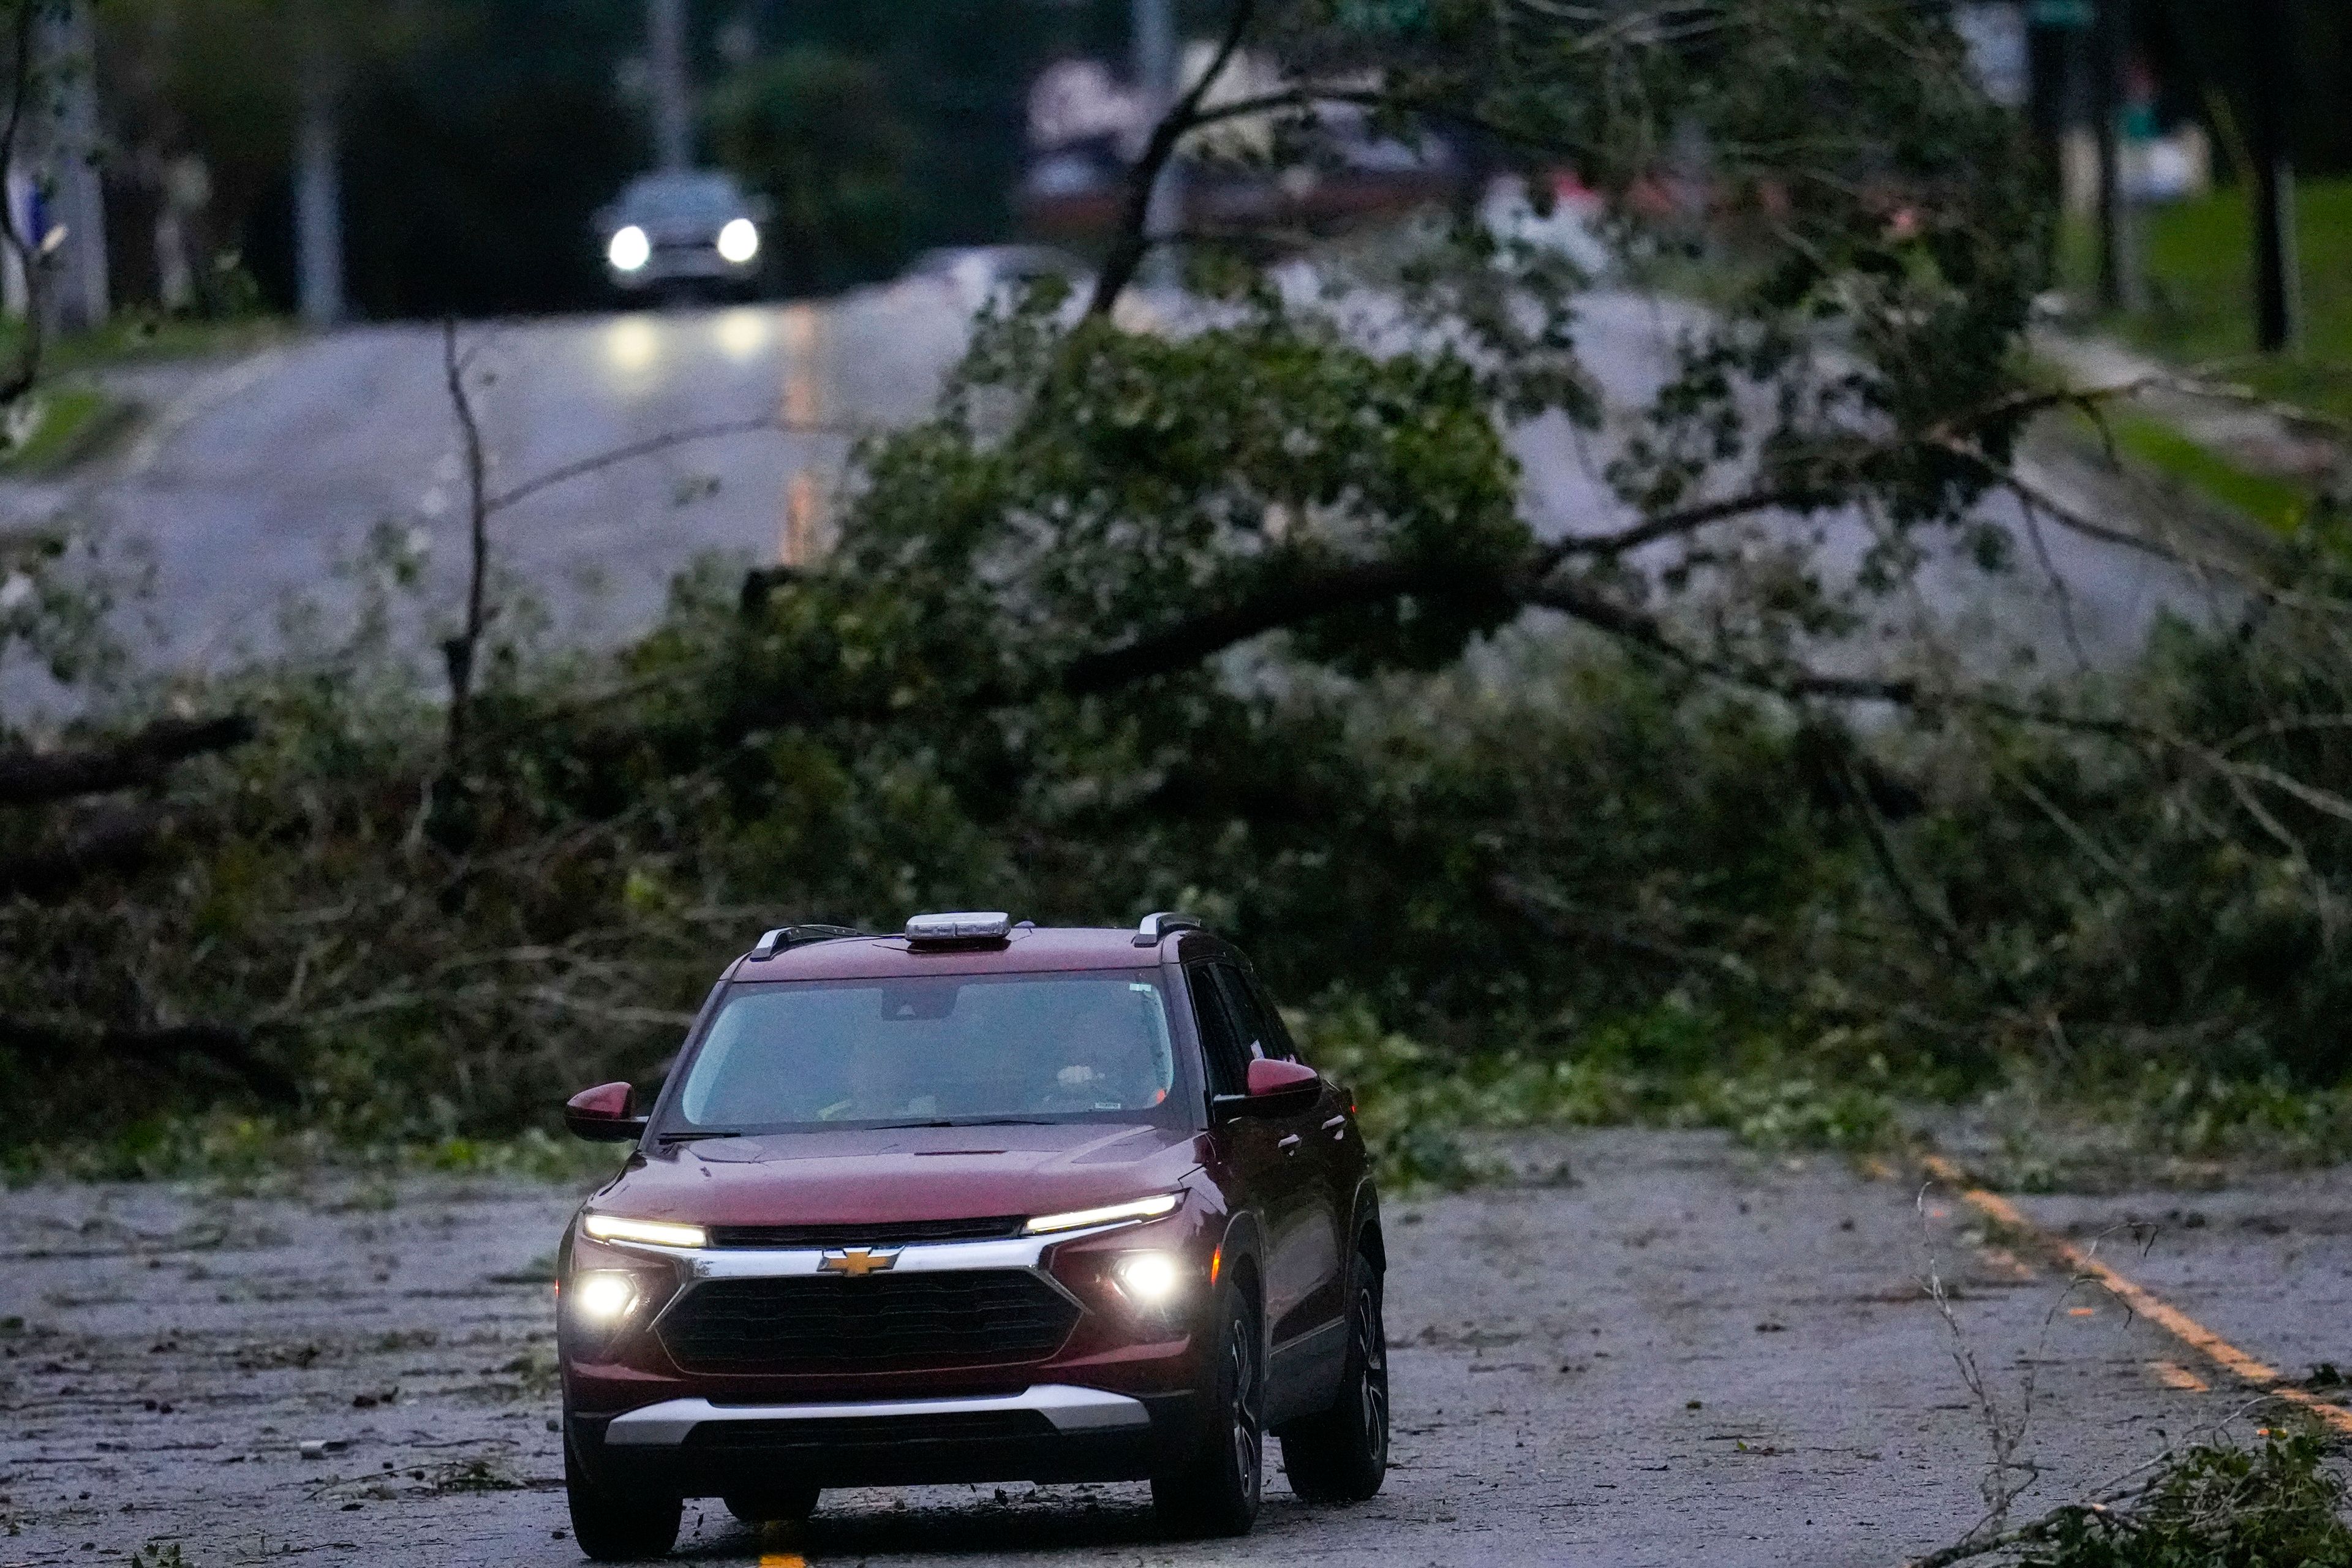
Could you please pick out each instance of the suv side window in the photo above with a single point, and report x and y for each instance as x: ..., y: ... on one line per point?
x: 1243, y: 1002
x: 1222, y: 1036
x: 1276, y: 1035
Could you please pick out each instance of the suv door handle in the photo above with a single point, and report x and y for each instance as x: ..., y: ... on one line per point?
x: 1287, y: 1143
x: 1338, y: 1128
x: 1340, y: 1121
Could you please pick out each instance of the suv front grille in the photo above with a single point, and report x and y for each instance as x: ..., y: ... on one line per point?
x: 804, y: 1324
x: 899, y: 1233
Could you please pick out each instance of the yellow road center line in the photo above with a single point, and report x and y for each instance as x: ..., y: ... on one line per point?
x: 802, y: 404
x: 2246, y: 1369
x: 781, y: 1560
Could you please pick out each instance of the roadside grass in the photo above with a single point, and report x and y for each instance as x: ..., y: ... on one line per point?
x: 2160, y: 1126
x: 2199, y: 260
x: 265, y: 1153
x: 2279, y: 505
x: 137, y: 336
x: 2033, y: 1129
x: 69, y: 425
x: 1420, y: 1111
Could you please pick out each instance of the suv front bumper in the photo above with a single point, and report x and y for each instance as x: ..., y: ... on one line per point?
x: 1048, y: 1432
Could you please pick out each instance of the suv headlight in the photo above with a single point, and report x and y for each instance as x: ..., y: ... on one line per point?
x: 651, y: 1232
x: 1111, y: 1214
x: 1151, y: 1280
x: 602, y: 1297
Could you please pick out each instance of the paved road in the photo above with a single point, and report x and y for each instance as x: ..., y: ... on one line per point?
x: 255, y: 483
x: 1657, y: 1349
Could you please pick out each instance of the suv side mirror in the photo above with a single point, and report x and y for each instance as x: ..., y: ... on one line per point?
x: 602, y: 1115
x: 1276, y: 1089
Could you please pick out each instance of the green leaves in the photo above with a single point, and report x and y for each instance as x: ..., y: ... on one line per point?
x: 2219, y: 1506
x: 1093, y: 488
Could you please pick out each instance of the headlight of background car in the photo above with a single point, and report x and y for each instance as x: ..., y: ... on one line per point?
x: 631, y: 249
x: 738, y: 241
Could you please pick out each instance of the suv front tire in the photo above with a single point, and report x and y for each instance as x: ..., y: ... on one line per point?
x: 1214, y: 1488
x: 1342, y: 1454
x: 616, y: 1524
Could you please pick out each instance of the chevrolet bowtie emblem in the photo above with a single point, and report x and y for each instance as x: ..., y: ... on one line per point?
x: 856, y: 1262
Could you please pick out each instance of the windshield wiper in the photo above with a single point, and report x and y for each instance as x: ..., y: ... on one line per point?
x: 691, y: 1137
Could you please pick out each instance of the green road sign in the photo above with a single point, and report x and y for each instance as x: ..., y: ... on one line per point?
x: 1384, y: 16
x: 2061, y: 15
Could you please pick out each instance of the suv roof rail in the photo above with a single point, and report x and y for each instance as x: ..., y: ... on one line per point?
x: 785, y: 938
x: 1163, y: 923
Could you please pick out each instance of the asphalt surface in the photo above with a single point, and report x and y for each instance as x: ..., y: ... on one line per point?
x: 1657, y: 1349
x: 253, y: 487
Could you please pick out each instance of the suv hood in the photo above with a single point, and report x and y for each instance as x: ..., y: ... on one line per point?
x: 880, y: 1175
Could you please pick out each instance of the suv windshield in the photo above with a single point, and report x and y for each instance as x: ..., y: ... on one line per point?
x: 1044, y: 1047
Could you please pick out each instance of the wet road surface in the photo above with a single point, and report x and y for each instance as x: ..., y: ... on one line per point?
x: 1657, y: 1349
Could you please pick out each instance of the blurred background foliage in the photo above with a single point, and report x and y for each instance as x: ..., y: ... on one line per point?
x: 480, y: 136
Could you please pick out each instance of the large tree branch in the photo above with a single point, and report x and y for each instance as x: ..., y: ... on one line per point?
x: 1292, y: 601
x: 221, y: 1046
x: 119, y: 841
x: 1680, y: 520
x: 32, y: 778
x: 1647, y: 632
x: 1298, y: 599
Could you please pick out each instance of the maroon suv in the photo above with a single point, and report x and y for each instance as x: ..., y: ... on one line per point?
x: 981, y: 1202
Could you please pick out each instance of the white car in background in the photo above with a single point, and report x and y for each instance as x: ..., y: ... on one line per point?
x: 676, y: 231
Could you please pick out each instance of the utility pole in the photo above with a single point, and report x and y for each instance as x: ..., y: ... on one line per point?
x: 80, y: 298
x: 1154, y: 42
x: 2052, y: 28
x: 2119, y: 249
x: 2277, y: 275
x: 319, y: 203
x: 673, y: 97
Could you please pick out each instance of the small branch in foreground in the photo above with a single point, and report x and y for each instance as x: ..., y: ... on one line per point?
x: 1132, y: 241
x: 2026, y: 1534
x: 461, y: 651
x: 653, y: 444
